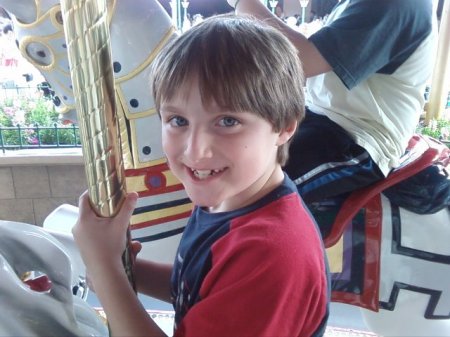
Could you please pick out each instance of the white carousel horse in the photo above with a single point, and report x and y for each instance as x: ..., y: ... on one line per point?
x: 37, y: 284
x: 401, y: 271
x: 138, y: 32
x: 392, y: 262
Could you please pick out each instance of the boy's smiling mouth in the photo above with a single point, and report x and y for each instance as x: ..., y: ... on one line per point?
x: 204, y: 174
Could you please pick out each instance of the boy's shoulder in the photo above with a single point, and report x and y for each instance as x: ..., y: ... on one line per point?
x: 286, y: 210
x: 281, y: 228
x: 281, y: 211
x: 283, y: 202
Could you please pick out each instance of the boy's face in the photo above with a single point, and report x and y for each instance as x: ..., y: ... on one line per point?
x: 225, y: 160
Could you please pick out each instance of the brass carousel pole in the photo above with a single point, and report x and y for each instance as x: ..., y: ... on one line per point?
x: 440, y: 80
x: 88, y: 44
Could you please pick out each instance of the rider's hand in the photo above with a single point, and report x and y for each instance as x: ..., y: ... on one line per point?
x: 136, y: 247
x: 102, y: 241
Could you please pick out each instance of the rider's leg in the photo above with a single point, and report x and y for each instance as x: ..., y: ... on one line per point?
x: 325, y: 161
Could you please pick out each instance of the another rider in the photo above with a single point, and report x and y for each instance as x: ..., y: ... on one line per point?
x: 366, y: 71
x: 250, y: 263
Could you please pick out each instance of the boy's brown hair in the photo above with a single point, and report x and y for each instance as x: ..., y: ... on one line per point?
x: 241, y: 64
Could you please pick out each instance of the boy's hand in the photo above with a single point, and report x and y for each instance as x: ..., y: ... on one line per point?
x: 102, y: 241
x: 136, y: 247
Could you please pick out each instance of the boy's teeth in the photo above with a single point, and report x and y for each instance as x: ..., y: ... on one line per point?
x: 203, y: 174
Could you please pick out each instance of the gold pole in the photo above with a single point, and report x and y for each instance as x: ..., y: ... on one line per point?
x: 440, y: 80
x: 88, y: 45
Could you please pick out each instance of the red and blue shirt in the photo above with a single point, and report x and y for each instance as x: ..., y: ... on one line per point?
x: 256, y: 271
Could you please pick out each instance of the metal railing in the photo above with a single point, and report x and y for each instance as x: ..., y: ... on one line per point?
x: 39, y: 137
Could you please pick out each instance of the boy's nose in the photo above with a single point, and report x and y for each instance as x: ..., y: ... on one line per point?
x: 199, y: 145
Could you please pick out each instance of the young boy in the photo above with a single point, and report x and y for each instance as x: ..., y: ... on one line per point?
x: 250, y: 262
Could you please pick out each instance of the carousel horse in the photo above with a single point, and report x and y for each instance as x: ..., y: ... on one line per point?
x: 391, y: 262
x: 38, y: 282
x: 163, y: 206
x: 391, y: 255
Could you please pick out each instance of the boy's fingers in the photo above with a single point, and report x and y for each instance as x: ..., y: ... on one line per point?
x: 136, y: 247
x: 83, y: 201
x: 126, y: 211
x: 85, y: 206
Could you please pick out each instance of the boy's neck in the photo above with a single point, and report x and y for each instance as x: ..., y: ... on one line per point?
x: 258, y: 190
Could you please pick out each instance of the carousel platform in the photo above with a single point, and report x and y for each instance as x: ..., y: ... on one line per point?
x: 344, y: 321
x: 164, y: 319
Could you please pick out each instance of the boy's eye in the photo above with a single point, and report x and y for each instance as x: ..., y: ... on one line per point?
x: 178, y: 121
x: 228, y: 121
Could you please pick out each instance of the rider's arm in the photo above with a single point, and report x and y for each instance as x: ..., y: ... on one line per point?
x: 153, y: 279
x: 312, y: 61
x: 125, y: 313
x: 101, y: 242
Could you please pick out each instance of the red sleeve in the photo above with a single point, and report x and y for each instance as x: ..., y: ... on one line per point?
x: 267, y: 278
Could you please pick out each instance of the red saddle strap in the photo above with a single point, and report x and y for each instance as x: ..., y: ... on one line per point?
x: 432, y: 151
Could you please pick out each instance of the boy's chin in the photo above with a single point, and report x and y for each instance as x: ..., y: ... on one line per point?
x: 202, y: 203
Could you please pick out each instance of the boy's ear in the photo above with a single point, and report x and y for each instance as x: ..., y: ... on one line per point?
x: 287, y: 133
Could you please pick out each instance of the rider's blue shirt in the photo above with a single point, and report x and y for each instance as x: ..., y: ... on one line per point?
x: 382, y: 56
